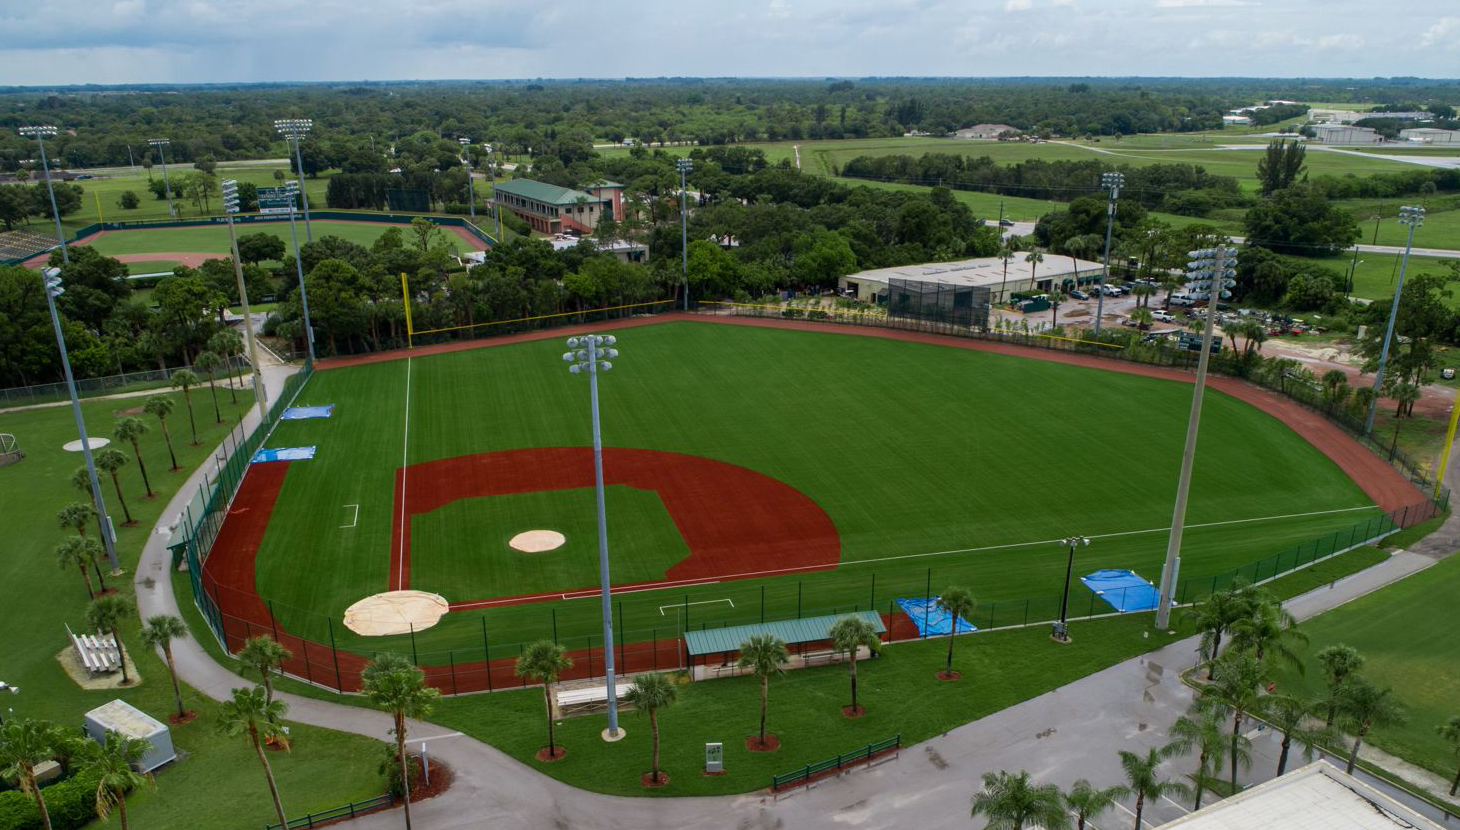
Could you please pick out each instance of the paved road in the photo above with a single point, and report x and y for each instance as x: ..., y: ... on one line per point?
x: 1070, y: 733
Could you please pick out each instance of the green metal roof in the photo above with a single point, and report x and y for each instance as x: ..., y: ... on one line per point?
x: 544, y: 192
x: 604, y: 183
x: 805, y: 630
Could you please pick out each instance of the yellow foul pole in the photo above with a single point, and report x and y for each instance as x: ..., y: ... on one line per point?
x: 99, y: 217
x: 405, y: 295
x: 1449, y: 440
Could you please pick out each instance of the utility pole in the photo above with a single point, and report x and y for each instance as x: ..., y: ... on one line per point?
x: 685, y: 165
x: 470, y: 188
x: 161, y: 145
x: 294, y: 129
x: 1111, y: 181
x: 293, y: 190
x: 1216, y: 268
x: 39, y: 133
x: 1413, y: 216
x: 230, y: 207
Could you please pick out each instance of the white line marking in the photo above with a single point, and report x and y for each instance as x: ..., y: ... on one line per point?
x: 404, y: 456
x: 354, y: 521
x: 679, y: 583
x: 700, y: 602
x: 1132, y: 814
x: 1183, y: 810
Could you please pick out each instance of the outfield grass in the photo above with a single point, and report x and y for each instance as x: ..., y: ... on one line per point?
x: 1403, y: 634
x: 912, y: 449
x: 214, y: 238
x: 216, y: 782
x: 108, y: 189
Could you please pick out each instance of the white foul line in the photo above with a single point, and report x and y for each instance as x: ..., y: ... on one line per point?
x: 356, y: 519
x: 701, y: 602
x: 404, y: 455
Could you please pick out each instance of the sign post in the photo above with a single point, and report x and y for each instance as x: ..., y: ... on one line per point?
x: 714, y: 759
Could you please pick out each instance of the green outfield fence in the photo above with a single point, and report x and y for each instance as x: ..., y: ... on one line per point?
x: 460, y: 658
x: 862, y: 755
x: 248, y: 218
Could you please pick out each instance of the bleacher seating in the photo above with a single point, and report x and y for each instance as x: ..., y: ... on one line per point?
x: 22, y: 244
x: 96, y: 652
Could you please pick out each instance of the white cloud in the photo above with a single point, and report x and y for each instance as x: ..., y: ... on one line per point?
x: 1183, y: 4
x: 1444, y: 28
x: 1018, y: 5
x: 778, y: 8
x: 1344, y: 41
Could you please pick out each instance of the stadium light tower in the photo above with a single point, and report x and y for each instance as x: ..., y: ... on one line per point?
x: 39, y: 133
x: 1111, y: 181
x: 161, y: 145
x: 293, y: 189
x: 492, y: 180
x: 591, y: 353
x: 1413, y: 216
x: 1216, y: 269
x: 230, y: 207
x: 1061, y: 629
x: 470, y: 188
x: 294, y: 129
x: 685, y: 165
x: 53, y: 290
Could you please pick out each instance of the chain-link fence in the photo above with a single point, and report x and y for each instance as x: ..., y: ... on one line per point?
x: 112, y: 384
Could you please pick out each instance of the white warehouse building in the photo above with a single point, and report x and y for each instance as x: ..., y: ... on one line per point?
x: 1056, y: 271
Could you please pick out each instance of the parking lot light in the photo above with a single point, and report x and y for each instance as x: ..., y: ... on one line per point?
x: 1111, y: 181
x: 1413, y: 216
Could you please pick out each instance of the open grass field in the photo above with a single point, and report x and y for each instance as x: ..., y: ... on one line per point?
x: 1403, y: 633
x: 932, y: 465
x: 100, y: 195
x: 216, y: 783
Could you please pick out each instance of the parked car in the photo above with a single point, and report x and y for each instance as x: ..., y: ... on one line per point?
x: 1079, y: 295
x: 1182, y: 300
x: 1111, y: 290
x: 1162, y: 315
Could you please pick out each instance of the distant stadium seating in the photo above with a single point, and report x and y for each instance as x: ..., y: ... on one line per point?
x: 18, y: 245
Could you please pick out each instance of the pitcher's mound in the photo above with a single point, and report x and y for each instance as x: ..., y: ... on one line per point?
x: 395, y: 612
x: 537, y: 541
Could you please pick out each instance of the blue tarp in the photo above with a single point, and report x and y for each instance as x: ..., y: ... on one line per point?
x: 283, y: 454
x: 299, y: 413
x: 929, y: 617
x: 1124, y: 589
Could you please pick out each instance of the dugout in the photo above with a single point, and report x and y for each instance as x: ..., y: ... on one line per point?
x: 713, y: 652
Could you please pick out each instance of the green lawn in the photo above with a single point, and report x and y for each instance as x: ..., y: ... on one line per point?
x: 100, y: 195
x: 937, y: 465
x: 215, y: 783
x: 214, y: 238
x: 1401, y: 631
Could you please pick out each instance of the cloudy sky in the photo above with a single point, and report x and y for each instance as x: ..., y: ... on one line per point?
x: 116, y: 41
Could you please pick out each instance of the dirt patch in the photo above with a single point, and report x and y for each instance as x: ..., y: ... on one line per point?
x: 548, y: 754
x: 395, y: 612
x: 648, y: 780
x: 771, y: 744
x: 75, y: 670
x: 950, y: 675
x: 186, y: 717
x: 131, y: 410
x: 854, y: 711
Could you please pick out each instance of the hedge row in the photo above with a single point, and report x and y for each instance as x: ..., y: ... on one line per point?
x: 72, y: 804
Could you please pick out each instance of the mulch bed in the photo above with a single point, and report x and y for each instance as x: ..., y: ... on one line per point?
x: 950, y: 675
x: 647, y: 779
x: 548, y: 754
x: 186, y: 717
x: 854, y: 711
x: 442, y: 777
x: 772, y: 743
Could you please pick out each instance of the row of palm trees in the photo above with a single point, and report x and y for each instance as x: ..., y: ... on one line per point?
x: 25, y: 744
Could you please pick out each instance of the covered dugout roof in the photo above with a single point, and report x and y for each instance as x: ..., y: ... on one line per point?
x: 804, y: 630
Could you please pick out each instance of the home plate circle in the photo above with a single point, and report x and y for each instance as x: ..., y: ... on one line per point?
x: 395, y: 612
x: 537, y: 541
x: 94, y: 442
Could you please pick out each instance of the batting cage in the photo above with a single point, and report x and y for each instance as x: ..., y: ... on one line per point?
x: 409, y: 200
x: 959, y: 305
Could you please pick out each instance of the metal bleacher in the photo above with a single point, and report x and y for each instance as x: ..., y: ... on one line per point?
x: 20, y: 245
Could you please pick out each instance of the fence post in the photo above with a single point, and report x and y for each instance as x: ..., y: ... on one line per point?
x: 554, y: 611
x: 655, y: 640
x: 927, y: 603
x: 451, y: 656
x: 274, y: 622
x: 872, y: 603
x: 335, y: 653
x: 414, y: 660
x: 486, y: 653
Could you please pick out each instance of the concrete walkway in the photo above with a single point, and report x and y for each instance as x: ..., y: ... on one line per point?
x: 1070, y: 733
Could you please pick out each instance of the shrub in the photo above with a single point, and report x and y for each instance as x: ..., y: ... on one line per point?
x: 818, y: 314
x: 791, y: 312
x: 128, y: 200
x: 390, y: 768
x: 71, y: 803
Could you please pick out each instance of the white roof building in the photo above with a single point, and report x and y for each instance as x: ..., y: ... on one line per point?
x: 1317, y: 797
x: 1431, y: 135
x: 1345, y: 134
x: 983, y: 272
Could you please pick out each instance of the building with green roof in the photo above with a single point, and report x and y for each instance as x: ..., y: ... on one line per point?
x: 552, y: 209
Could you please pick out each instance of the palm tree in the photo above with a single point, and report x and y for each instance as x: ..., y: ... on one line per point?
x: 1335, y: 388
x: 106, y: 613
x: 226, y: 343
x: 186, y: 379
x: 113, y: 762
x: 848, y: 634
x: 1450, y: 732
x: 545, y: 661
x: 1142, y: 292
x: 1087, y: 801
x: 1056, y: 297
x: 162, y: 406
x: 159, y: 632
x: 1006, y: 253
x: 77, y: 514
x: 25, y: 744
x: 1011, y: 802
x: 1215, y: 616
x: 650, y: 693
x: 764, y: 655
x: 1266, y: 633
x: 1365, y: 706
x: 400, y: 688
x: 1288, y: 715
x: 112, y: 461
x: 1237, y: 688
x: 251, y: 714
x: 1142, y: 317
x: 956, y: 603
x: 80, y: 552
x: 1205, y: 733
x: 209, y: 362
x: 1406, y: 394
x: 264, y: 655
x: 1143, y: 780
x: 1033, y: 258
x: 131, y: 429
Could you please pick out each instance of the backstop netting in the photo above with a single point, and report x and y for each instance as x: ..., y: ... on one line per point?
x: 409, y: 200
x: 959, y: 305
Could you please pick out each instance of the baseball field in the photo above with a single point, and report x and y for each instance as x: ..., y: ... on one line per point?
x: 753, y: 473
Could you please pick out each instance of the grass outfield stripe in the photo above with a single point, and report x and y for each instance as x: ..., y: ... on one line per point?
x: 680, y: 583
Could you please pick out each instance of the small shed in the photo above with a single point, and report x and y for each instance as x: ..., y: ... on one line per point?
x: 120, y: 716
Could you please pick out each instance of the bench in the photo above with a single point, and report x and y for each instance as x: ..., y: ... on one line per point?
x: 98, y: 655
x: 589, y: 698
